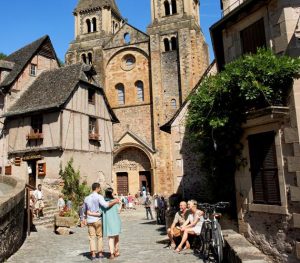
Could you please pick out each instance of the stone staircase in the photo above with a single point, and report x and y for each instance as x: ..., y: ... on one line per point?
x: 48, y: 219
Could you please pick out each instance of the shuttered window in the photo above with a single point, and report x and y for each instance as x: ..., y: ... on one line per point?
x: 253, y: 37
x: 263, y: 167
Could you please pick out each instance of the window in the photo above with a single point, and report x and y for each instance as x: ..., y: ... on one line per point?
x: 33, y: 69
x: 174, y: 7
x: 173, y: 104
x: 166, y: 44
x: 174, y: 43
x: 94, y: 23
x: 263, y: 167
x: 37, y: 123
x: 140, y: 91
x: 121, y: 94
x: 89, y: 26
x: 41, y: 169
x: 91, y: 96
x: 167, y: 8
x: 253, y: 37
x: 93, y: 126
x: 83, y: 58
x: 129, y: 60
x: 90, y: 58
x: 127, y: 38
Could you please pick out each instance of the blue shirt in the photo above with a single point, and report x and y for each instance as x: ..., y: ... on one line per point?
x: 93, y: 203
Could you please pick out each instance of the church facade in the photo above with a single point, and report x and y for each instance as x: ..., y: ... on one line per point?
x: 146, y: 78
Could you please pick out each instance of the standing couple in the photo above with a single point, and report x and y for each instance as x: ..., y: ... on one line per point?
x: 103, y: 219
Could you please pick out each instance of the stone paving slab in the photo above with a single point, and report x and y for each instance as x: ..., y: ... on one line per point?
x: 138, y: 245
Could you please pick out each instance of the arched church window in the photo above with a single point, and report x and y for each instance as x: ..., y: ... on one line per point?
x: 140, y: 90
x: 88, y: 25
x: 167, y: 8
x: 174, y: 7
x: 94, y: 22
x: 174, y: 43
x: 90, y: 58
x: 173, y: 104
x: 166, y: 44
x: 83, y: 58
x: 127, y: 38
x: 121, y: 93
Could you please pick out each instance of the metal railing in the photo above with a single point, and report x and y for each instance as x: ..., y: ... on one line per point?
x: 232, y: 7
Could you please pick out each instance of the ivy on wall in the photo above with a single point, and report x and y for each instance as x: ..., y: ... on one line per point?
x: 219, y: 108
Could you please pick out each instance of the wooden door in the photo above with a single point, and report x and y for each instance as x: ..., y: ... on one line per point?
x: 122, y: 183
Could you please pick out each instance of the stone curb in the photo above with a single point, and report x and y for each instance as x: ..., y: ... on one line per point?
x: 240, y: 250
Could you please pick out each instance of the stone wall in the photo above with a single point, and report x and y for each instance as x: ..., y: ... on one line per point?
x: 12, y: 218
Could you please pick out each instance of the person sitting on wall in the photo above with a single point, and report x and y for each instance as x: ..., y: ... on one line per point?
x: 192, y: 226
x: 180, y: 218
x: 60, y: 203
x: 39, y: 203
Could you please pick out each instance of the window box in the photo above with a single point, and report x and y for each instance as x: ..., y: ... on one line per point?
x: 34, y: 136
x: 94, y: 137
x: 41, y: 169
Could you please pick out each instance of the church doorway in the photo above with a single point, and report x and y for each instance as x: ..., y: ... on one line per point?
x: 145, y: 180
x: 132, y: 169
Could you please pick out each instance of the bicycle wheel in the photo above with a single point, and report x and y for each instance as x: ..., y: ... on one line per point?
x: 218, y: 243
x: 206, y: 240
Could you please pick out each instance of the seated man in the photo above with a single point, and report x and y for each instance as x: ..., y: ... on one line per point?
x: 192, y: 225
x: 180, y: 218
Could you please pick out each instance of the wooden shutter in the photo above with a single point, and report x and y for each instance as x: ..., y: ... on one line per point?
x: 8, y: 170
x: 264, y: 170
x: 253, y: 37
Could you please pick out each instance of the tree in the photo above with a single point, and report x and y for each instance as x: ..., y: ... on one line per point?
x: 2, y: 56
x: 219, y: 108
x: 73, y: 189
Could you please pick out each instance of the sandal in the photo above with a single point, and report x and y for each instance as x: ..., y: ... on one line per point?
x: 178, y: 249
x: 117, y: 253
x: 112, y: 256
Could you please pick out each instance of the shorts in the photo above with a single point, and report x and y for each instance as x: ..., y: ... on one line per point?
x: 39, y: 204
x: 197, y: 229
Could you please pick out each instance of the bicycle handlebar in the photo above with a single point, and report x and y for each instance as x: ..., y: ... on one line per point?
x: 219, y: 205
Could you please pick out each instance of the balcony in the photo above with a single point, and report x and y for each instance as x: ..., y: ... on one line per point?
x: 34, y: 136
x: 94, y: 137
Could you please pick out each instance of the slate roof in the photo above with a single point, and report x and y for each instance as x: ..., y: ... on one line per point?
x: 90, y: 4
x: 20, y: 58
x: 52, y: 89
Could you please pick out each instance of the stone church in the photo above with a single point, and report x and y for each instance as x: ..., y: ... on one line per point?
x: 146, y: 78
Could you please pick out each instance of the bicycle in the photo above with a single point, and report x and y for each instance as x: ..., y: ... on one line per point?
x: 211, y: 238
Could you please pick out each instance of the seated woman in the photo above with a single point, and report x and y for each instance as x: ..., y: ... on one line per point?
x: 192, y: 225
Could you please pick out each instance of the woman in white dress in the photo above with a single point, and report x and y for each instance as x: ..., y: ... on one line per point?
x: 192, y: 225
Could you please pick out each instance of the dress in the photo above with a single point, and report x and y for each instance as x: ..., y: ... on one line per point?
x: 192, y: 217
x: 111, y: 221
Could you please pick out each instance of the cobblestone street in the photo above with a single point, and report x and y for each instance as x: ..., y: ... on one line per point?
x: 138, y: 244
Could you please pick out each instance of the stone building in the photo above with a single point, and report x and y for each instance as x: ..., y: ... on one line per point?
x: 146, y: 77
x: 268, y: 187
x: 60, y: 114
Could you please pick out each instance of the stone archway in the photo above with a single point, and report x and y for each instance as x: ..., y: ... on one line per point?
x: 131, y: 170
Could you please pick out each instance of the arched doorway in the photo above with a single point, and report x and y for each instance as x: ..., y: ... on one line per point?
x: 132, y: 169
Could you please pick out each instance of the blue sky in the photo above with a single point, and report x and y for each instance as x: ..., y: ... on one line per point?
x: 23, y: 21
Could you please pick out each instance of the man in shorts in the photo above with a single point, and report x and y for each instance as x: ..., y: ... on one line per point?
x: 39, y: 203
x: 180, y: 217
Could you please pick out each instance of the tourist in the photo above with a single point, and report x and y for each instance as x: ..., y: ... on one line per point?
x: 130, y: 201
x: 148, y: 207
x: 93, y: 203
x: 39, y: 201
x: 180, y: 218
x: 112, y: 224
x: 82, y: 214
x: 192, y: 225
x: 144, y: 192
x: 61, y: 203
x: 32, y: 208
